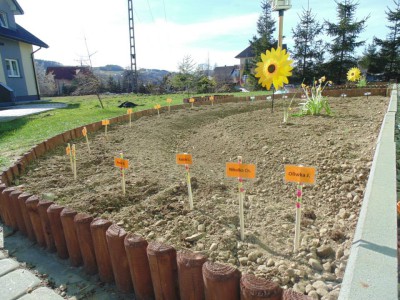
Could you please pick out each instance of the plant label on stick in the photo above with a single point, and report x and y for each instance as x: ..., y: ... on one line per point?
x: 69, y: 153
x: 84, y: 133
x: 169, y: 101
x: 123, y: 164
x: 129, y: 112
x: 186, y: 159
x: 105, y: 123
x: 300, y: 175
x: 240, y: 171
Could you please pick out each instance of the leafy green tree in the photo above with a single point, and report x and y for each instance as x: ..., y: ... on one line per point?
x: 205, y: 85
x: 307, y: 53
x: 185, y: 78
x: 390, y: 48
x: 370, y: 59
x: 345, y: 39
x: 264, y: 40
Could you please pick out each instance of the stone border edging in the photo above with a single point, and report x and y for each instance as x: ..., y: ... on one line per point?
x: 371, y: 271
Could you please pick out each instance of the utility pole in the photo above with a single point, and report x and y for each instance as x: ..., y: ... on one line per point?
x: 280, y: 6
x: 132, y: 47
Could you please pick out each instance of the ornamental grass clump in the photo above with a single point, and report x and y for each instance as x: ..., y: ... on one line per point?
x: 315, y: 101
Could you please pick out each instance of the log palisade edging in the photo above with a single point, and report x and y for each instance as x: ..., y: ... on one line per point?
x: 118, y: 256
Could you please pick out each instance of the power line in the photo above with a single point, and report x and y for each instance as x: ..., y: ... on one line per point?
x: 151, y: 13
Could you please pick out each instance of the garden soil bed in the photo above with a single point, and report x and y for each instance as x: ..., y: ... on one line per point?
x: 341, y: 147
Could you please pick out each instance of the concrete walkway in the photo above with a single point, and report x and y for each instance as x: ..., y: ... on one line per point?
x: 17, y: 282
x: 56, y: 279
x: 18, y: 111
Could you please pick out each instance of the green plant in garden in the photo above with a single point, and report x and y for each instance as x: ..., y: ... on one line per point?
x: 315, y: 101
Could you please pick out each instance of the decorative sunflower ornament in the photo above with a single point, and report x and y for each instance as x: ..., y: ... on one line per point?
x: 275, y: 68
x: 353, y: 74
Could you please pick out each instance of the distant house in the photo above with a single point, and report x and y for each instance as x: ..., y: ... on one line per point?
x: 17, y: 71
x: 63, y: 76
x: 245, y: 59
x: 227, y: 74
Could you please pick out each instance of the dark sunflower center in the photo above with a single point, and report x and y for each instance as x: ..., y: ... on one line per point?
x: 271, y: 68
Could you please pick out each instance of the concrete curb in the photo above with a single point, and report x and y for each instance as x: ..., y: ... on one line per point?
x: 371, y: 271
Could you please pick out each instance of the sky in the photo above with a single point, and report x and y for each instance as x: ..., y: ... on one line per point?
x: 166, y: 31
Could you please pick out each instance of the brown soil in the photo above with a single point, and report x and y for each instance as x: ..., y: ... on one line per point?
x: 341, y: 147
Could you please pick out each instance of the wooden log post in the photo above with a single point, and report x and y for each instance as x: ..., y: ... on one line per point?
x: 12, y: 221
x: 53, y: 212
x: 135, y: 247
x: 25, y: 215
x: 31, y: 206
x: 17, y: 211
x: 115, y: 240
x: 289, y: 294
x: 98, y: 228
x: 221, y: 281
x: 3, y: 209
x: 42, y: 206
x: 255, y: 288
x: 164, y: 270
x: 82, y: 226
x: 67, y: 216
x: 190, y: 275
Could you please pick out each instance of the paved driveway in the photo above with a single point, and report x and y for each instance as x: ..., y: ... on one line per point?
x: 14, y: 112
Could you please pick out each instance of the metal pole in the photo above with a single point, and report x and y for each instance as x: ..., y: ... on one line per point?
x: 280, y: 33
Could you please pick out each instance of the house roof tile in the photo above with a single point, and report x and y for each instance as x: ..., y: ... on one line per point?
x: 248, y: 52
x: 22, y: 35
x: 66, y: 73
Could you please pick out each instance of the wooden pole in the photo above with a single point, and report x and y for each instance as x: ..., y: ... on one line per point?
x: 123, y: 176
x: 19, y: 220
x: 280, y: 34
x: 31, y: 205
x: 82, y: 225
x: 69, y: 153
x: 98, y: 228
x: 74, y: 160
x: 241, y: 205
x: 67, y: 219
x: 42, y: 206
x: 28, y: 224
x: 135, y: 247
x: 163, y: 268
x: 299, y: 196
x: 255, y: 288
x: 53, y: 213
x: 3, y: 211
x: 190, y: 275
x: 115, y: 236
x: 189, y: 185
x: 9, y: 207
x: 221, y: 281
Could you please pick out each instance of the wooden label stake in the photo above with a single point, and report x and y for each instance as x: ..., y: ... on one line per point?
x: 84, y: 133
x: 105, y: 123
x: 129, y: 112
x: 74, y: 160
x: 122, y: 164
x: 186, y: 159
x: 300, y: 175
x: 240, y: 171
x: 69, y: 153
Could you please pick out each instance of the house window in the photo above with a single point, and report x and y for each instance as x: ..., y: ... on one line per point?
x: 12, y: 68
x: 3, y: 19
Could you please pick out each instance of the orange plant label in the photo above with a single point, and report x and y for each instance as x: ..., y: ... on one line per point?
x: 300, y: 174
x: 105, y: 122
x: 240, y: 170
x: 129, y: 111
x: 121, y: 163
x: 68, y: 150
x: 84, y: 131
x: 184, y: 159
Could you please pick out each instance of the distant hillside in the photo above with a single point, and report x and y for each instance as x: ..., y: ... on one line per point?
x: 115, y: 71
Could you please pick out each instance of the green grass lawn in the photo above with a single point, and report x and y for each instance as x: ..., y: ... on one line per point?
x: 19, y: 135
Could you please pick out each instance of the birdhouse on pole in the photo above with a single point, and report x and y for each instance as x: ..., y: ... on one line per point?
x: 278, y: 5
